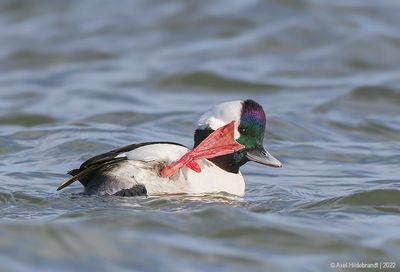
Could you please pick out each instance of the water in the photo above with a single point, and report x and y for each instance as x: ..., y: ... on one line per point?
x: 81, y: 77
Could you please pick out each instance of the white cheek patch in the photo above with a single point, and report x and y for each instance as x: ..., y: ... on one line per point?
x: 221, y: 115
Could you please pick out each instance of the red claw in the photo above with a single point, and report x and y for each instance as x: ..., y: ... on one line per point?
x: 218, y: 143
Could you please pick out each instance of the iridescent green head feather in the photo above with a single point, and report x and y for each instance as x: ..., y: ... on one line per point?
x: 252, y: 124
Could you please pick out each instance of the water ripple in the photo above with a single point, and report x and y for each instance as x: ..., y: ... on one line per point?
x: 75, y: 83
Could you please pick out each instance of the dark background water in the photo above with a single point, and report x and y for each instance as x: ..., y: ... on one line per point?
x: 81, y: 77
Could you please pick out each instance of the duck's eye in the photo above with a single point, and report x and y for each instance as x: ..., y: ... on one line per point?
x: 242, y: 130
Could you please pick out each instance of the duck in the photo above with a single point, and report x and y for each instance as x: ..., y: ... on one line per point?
x: 137, y: 169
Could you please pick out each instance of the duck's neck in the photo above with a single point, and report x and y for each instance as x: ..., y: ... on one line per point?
x: 230, y: 163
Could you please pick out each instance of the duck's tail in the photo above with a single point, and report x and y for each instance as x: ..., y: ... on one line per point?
x: 82, y: 173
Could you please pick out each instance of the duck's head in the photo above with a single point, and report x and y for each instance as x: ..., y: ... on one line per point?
x: 250, y: 123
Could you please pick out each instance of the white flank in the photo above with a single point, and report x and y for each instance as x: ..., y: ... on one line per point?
x: 143, y: 164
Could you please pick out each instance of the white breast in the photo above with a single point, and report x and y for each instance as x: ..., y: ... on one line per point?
x: 213, y: 179
x: 144, y: 162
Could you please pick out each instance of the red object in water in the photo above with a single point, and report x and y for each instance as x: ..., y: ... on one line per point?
x: 218, y: 143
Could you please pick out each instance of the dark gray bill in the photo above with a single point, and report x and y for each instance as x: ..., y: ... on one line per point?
x: 260, y: 155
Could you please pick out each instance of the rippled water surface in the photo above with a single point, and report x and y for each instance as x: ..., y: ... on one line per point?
x: 81, y: 77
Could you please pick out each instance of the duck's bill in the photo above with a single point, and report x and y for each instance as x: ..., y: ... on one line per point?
x: 260, y: 155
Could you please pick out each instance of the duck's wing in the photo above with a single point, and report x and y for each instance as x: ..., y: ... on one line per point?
x: 101, y: 160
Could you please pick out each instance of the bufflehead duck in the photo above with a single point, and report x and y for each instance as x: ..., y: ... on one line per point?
x: 137, y: 169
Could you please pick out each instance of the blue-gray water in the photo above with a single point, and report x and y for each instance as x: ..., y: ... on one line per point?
x: 81, y: 77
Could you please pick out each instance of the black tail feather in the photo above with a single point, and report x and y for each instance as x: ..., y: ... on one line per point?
x: 81, y: 173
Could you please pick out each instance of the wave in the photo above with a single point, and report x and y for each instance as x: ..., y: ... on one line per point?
x: 123, y: 118
x: 33, y: 59
x: 27, y: 120
x: 208, y: 80
x: 386, y: 200
x: 367, y: 112
x: 365, y: 100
